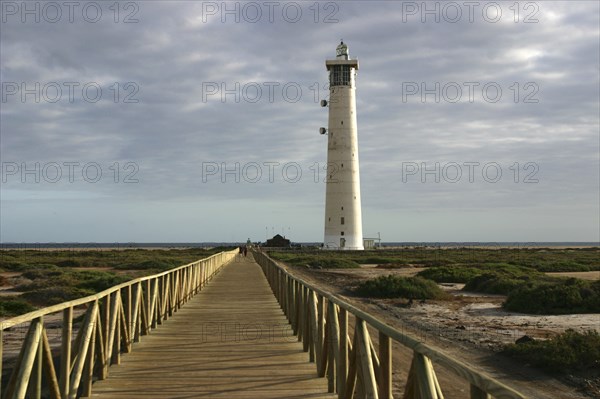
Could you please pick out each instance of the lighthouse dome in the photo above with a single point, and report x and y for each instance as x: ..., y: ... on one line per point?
x: 342, y: 51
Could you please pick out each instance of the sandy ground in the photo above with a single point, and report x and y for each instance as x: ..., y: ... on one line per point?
x: 471, y: 327
x: 582, y: 275
x: 477, y: 318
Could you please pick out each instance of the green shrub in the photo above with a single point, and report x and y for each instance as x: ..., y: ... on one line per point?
x: 14, y: 266
x: 150, y: 264
x: 494, y: 283
x: 328, y: 263
x: 14, y: 307
x: 97, y: 280
x: 42, y: 273
x: 567, y: 352
x: 501, y: 278
x: 53, y: 295
x: 563, y: 266
x: 558, y: 297
x: 400, y: 287
x: 62, y: 280
x: 69, y: 263
x: 377, y: 260
x: 450, y: 274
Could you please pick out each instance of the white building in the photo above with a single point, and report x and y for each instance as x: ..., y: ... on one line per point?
x: 343, y: 216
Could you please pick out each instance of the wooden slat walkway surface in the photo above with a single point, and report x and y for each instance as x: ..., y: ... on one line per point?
x: 230, y: 341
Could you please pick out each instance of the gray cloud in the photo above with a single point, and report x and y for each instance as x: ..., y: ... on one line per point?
x: 173, y: 58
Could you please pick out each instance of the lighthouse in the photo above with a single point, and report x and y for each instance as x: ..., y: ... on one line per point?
x: 343, y: 215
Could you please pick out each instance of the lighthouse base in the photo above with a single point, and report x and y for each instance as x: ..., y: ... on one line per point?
x: 337, y: 243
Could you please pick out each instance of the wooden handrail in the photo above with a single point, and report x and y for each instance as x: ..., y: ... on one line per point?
x: 363, y: 371
x: 115, y: 319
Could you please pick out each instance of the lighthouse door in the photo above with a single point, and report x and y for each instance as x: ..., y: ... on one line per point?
x: 342, y: 242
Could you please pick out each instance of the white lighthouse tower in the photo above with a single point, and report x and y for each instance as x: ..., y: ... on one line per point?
x: 343, y: 215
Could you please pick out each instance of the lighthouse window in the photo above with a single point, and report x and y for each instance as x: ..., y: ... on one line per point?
x: 342, y: 233
x: 342, y: 122
x: 340, y: 75
x: 342, y: 221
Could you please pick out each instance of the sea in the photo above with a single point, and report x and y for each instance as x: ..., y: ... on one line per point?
x: 169, y: 245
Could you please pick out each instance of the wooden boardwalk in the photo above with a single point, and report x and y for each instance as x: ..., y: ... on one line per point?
x: 230, y: 341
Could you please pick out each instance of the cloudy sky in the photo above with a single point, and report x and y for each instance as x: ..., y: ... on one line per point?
x: 179, y: 121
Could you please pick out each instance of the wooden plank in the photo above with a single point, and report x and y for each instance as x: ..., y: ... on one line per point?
x: 231, y: 340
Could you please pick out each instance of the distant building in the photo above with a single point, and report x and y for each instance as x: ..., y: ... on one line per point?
x: 278, y: 242
x: 369, y: 243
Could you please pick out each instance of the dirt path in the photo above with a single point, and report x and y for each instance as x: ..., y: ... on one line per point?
x: 443, y: 328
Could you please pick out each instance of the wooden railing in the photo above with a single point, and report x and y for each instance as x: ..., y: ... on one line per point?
x: 113, y: 320
x: 353, y: 366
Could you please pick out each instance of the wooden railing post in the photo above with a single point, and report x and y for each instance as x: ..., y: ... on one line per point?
x: 385, y: 366
x: 333, y: 326
x: 65, y: 352
x: 106, y: 317
x: 363, y: 349
x: 48, y: 366
x: 343, y: 358
x: 24, y: 365
x: 320, y: 331
x: 422, y: 381
x: 148, y: 305
x: 299, y: 309
x: 87, y: 330
x: 306, y: 325
x: 37, y: 367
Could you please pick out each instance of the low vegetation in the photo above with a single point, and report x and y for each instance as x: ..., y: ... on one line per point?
x: 14, y: 306
x: 467, y: 273
x: 49, y: 277
x: 562, y: 296
x: 400, y: 287
x: 324, y: 261
x: 55, y: 285
x: 568, y: 352
x: 527, y: 290
x: 518, y: 273
x: 539, y: 259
